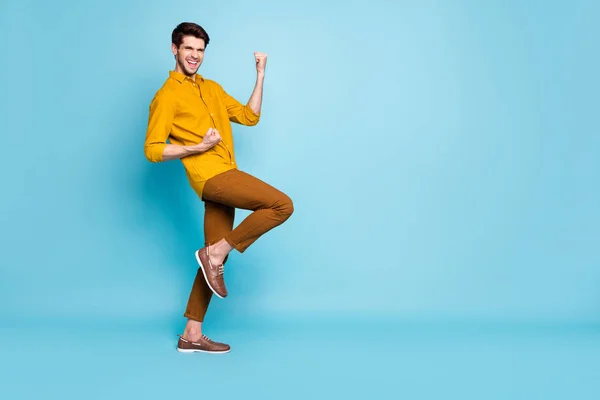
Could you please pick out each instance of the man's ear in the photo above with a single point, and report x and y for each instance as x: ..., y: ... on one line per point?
x: 174, y: 49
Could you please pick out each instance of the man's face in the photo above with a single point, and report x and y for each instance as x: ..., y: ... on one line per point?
x: 189, y: 55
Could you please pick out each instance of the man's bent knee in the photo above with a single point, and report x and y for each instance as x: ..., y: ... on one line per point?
x: 289, y: 208
x: 284, y: 207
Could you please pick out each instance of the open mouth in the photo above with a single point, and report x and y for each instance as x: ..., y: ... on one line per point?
x: 192, y: 63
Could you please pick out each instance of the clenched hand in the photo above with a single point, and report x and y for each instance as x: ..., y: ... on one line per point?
x: 261, y: 62
x: 211, y: 138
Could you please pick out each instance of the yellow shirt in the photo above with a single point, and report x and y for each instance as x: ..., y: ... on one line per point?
x: 182, y: 111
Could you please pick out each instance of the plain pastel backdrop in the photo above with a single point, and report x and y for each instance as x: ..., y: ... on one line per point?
x: 442, y: 158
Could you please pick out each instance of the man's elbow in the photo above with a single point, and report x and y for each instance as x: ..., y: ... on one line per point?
x: 252, y: 118
x: 245, y: 119
x: 251, y: 115
x: 150, y: 151
x: 252, y: 122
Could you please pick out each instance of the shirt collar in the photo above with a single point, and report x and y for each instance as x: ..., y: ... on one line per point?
x: 179, y: 77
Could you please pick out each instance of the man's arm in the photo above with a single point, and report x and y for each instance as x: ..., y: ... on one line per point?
x: 160, y: 120
x: 249, y: 114
x: 255, y: 101
x: 175, y: 152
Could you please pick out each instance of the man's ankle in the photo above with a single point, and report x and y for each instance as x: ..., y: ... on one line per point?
x: 192, y: 334
x: 220, y: 249
x: 217, y: 252
x: 193, y: 329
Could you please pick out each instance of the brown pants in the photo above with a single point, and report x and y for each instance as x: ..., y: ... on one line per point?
x: 222, y: 194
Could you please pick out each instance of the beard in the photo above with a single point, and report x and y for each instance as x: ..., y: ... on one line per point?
x: 183, y: 65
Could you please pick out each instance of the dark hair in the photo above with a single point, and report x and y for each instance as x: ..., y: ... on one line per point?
x: 188, y: 29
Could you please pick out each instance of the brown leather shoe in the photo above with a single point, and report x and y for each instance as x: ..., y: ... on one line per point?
x: 213, y: 274
x: 203, y: 345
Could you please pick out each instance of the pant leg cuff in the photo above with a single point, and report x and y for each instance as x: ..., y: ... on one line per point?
x: 236, y: 246
x: 192, y: 316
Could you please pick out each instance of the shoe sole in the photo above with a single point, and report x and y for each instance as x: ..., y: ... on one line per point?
x: 205, y: 277
x: 201, y: 351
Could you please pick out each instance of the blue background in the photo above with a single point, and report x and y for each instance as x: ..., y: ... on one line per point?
x: 443, y: 162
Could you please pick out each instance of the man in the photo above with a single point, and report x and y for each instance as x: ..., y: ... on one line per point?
x: 195, y: 114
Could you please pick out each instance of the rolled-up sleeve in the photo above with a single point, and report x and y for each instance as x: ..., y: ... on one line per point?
x: 238, y: 112
x: 160, y: 120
